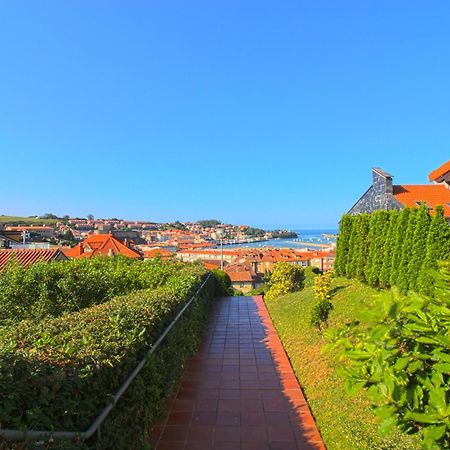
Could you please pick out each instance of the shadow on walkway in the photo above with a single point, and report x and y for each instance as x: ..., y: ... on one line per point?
x: 239, y: 391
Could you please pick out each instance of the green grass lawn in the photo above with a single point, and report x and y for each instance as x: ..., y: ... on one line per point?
x: 15, y: 220
x: 345, y: 422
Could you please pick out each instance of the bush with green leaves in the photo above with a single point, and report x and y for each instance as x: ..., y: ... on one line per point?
x: 51, y: 289
x: 224, y: 279
x: 402, y: 359
x: 343, y: 241
x: 322, y: 293
x: 320, y: 313
x: 285, y: 277
x: 437, y: 249
x: 58, y: 373
x: 391, y: 248
x: 311, y: 273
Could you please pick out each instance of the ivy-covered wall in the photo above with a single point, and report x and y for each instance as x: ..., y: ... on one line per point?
x: 392, y: 248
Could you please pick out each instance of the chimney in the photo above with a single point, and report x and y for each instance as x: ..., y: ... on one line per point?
x: 382, y: 181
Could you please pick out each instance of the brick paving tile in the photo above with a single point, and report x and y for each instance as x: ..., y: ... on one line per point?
x: 239, y: 391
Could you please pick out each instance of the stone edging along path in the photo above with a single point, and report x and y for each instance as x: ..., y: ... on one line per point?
x: 239, y: 391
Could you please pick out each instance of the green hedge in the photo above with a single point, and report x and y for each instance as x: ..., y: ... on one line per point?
x: 401, y: 359
x: 386, y: 249
x: 51, y: 289
x: 60, y: 372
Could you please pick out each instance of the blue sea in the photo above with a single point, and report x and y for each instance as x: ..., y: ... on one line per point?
x: 304, y: 236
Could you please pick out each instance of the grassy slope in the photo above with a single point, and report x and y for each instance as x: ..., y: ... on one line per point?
x: 15, y: 220
x: 345, y: 422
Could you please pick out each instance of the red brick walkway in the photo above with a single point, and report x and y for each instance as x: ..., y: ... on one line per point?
x: 239, y: 391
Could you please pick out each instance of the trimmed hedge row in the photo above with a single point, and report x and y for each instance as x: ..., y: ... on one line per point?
x: 60, y: 372
x: 393, y: 248
x: 51, y: 289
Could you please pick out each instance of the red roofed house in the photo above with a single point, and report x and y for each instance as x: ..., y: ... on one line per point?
x: 242, y: 277
x: 43, y: 231
x: 101, y: 244
x: 27, y: 256
x: 384, y: 195
x: 158, y: 252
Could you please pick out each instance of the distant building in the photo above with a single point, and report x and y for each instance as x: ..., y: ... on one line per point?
x: 242, y: 277
x: 322, y: 260
x: 42, y: 231
x: 383, y: 194
x: 10, y: 239
x: 229, y: 256
x: 25, y: 257
x: 157, y: 252
x: 101, y: 244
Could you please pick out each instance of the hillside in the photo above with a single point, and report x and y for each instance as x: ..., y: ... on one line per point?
x: 16, y: 220
x: 344, y: 421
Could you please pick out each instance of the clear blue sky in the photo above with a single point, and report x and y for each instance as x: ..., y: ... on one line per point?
x: 260, y: 112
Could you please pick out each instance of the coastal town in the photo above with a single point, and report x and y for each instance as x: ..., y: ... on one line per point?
x: 235, y: 249
x: 208, y: 241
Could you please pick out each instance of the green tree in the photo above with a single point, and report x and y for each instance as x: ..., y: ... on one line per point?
x: 402, y: 224
x: 343, y: 242
x: 419, y: 248
x: 379, y: 223
x: 209, y: 223
x: 361, y: 247
x: 437, y: 248
x: 224, y: 280
x: 388, y: 249
x: 350, y: 262
x: 286, y: 277
x: 407, y: 252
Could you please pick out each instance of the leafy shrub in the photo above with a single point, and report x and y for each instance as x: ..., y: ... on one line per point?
x: 402, y: 359
x: 51, y: 289
x: 322, y: 285
x: 320, y: 313
x: 260, y: 290
x: 311, y: 274
x: 60, y: 372
x: 285, y: 278
x: 224, y: 280
x: 322, y: 292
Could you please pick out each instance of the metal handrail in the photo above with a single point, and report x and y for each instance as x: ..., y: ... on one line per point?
x: 34, y: 435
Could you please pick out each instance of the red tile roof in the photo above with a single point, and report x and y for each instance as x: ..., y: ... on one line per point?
x: 154, y: 252
x: 211, y: 264
x: 27, y: 256
x: 29, y: 228
x: 242, y: 276
x: 240, y: 273
x: 100, y: 244
x: 442, y: 170
x: 433, y: 195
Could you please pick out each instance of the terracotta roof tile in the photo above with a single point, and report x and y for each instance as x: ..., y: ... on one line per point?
x: 433, y: 195
x: 154, y: 252
x: 244, y: 276
x: 100, y: 244
x: 442, y: 170
x: 27, y: 256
